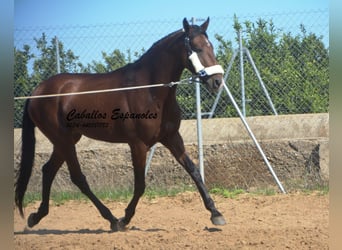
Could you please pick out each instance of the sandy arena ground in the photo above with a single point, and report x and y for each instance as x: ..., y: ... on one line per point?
x: 293, y: 221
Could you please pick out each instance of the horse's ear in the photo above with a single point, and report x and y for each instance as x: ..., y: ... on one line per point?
x: 204, y: 26
x: 186, y: 25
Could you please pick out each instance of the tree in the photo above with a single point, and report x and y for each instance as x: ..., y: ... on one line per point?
x: 21, y: 75
x: 45, y: 64
x: 293, y: 68
x: 116, y: 59
x: 22, y: 81
x: 113, y: 61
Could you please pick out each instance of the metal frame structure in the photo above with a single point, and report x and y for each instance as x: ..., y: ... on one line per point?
x: 242, y: 113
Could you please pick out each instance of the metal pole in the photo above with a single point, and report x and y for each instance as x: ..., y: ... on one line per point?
x: 199, y: 129
x: 260, y: 80
x: 254, y: 139
x: 57, y: 56
x: 243, y: 98
x: 199, y: 135
x: 212, y: 111
x: 149, y: 158
x: 199, y: 120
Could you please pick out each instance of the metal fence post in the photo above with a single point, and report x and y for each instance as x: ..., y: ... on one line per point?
x: 256, y: 71
x: 225, y: 77
x: 242, y: 75
x: 199, y: 128
x: 199, y: 119
x: 57, y: 57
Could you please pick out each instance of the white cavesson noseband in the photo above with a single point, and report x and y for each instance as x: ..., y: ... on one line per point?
x: 204, y: 71
x: 198, y: 66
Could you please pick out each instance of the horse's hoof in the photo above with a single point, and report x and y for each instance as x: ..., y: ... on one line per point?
x: 31, y: 220
x: 118, y: 225
x: 218, y: 220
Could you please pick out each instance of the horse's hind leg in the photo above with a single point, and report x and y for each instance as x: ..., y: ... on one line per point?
x: 175, y: 144
x: 49, y: 172
x: 138, y: 152
x: 80, y: 181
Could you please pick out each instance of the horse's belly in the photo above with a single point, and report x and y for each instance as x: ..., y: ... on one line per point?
x: 121, y: 132
x: 106, y: 138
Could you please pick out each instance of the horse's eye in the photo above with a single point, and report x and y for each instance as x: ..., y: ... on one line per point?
x: 198, y: 50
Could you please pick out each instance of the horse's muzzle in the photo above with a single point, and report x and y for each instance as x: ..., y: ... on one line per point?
x: 214, y: 83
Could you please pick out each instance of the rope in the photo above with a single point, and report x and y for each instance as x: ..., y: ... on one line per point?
x: 106, y: 90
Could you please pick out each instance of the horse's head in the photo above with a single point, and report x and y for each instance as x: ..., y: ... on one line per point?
x: 201, y: 57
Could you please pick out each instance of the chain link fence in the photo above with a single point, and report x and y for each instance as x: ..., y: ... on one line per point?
x: 290, y: 52
x: 287, y: 53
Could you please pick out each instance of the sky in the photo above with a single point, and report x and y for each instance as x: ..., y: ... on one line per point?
x: 139, y: 23
x: 84, y: 12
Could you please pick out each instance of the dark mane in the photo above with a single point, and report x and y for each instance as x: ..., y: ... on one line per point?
x: 172, y: 38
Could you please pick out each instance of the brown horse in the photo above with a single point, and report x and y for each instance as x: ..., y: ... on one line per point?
x: 140, y: 117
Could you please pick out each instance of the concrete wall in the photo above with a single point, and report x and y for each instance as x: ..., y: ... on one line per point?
x: 281, y: 127
x: 303, y: 127
x: 296, y: 146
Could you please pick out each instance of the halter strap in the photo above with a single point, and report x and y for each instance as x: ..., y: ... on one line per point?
x: 188, y: 48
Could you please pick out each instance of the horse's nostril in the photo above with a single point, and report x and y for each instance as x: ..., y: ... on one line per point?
x: 217, y: 83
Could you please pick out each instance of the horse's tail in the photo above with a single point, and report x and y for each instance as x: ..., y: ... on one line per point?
x: 27, y: 158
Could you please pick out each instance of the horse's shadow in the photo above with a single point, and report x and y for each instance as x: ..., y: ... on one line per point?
x: 60, y: 232
x: 95, y: 231
x: 81, y: 231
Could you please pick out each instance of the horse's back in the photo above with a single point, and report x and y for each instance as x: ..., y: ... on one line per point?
x: 69, y: 82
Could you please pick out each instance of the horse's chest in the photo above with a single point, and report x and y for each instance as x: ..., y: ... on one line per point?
x: 171, y: 118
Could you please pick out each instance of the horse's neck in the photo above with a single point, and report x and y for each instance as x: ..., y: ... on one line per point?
x: 162, y: 67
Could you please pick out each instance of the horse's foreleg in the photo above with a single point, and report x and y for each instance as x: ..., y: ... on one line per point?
x: 175, y: 144
x: 138, y: 151
x: 49, y: 172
